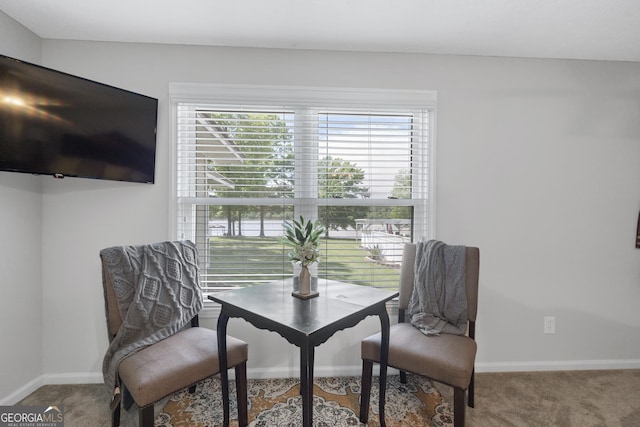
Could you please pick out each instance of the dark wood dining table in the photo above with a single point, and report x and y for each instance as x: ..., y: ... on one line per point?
x: 305, y: 323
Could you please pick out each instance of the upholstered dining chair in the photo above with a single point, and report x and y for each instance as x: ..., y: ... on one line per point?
x: 155, y: 369
x: 445, y: 358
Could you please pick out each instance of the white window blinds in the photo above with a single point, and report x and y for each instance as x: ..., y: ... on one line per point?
x: 244, y: 166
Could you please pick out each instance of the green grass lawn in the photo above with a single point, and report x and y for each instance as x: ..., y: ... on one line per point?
x: 262, y: 259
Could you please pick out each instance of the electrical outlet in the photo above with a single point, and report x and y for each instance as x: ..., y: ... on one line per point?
x: 549, y: 325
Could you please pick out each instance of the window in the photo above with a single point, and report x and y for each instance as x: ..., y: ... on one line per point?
x: 248, y: 158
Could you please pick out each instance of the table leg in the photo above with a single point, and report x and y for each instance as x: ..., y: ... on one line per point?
x: 223, y: 319
x: 306, y: 383
x: 384, y: 359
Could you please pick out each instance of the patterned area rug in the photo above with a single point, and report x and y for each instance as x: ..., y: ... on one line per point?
x: 277, y: 402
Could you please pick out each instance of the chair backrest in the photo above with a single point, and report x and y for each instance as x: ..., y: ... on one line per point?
x: 114, y: 320
x: 472, y: 272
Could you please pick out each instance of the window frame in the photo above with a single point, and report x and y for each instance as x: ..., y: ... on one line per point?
x: 313, y: 98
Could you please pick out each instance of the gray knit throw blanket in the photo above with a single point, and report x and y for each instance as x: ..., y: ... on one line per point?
x: 158, y: 293
x: 438, y: 303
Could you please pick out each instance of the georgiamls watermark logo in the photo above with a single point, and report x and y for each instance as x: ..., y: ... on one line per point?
x: 31, y: 416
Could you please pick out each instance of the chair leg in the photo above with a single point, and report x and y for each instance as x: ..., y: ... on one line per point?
x: 127, y: 400
x: 115, y: 405
x: 403, y: 377
x: 241, y: 393
x: 115, y: 416
x: 471, y: 389
x: 365, y: 393
x: 458, y: 407
x: 146, y: 416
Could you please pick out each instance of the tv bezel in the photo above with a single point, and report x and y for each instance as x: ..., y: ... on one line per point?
x: 115, y: 89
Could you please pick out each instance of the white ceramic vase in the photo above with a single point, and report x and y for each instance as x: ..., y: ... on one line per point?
x: 305, y: 280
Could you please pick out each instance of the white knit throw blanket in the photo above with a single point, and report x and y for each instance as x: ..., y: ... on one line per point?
x: 158, y: 293
x: 438, y: 303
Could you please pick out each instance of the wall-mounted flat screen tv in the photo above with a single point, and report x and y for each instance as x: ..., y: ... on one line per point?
x: 53, y: 123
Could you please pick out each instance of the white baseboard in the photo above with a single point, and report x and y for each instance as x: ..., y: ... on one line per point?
x: 569, y: 365
x: 74, y: 378
x: 319, y: 371
x: 531, y: 366
x: 22, y: 392
x: 46, y: 379
x: 330, y: 371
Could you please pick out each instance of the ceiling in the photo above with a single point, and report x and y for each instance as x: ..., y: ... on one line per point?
x: 576, y: 29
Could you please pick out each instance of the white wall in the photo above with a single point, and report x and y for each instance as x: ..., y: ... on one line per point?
x: 537, y: 163
x: 542, y: 173
x: 20, y: 251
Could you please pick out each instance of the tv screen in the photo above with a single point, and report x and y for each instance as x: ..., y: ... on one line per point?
x: 53, y: 123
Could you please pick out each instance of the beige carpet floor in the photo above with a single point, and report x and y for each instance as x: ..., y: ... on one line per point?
x: 576, y: 398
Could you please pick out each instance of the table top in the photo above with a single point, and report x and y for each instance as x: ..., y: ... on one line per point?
x: 271, y: 306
